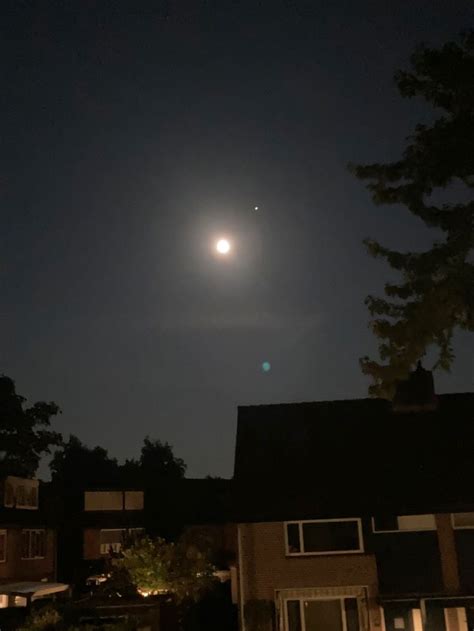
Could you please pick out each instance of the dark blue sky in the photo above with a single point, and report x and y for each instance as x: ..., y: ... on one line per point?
x: 133, y: 134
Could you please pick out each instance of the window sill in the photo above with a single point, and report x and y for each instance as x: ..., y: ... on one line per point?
x: 323, y: 554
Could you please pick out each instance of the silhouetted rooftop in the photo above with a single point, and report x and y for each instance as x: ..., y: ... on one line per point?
x: 351, y: 457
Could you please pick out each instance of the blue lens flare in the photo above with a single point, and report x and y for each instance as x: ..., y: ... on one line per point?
x: 266, y: 366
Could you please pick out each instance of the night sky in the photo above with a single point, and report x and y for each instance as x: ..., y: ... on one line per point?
x: 133, y: 135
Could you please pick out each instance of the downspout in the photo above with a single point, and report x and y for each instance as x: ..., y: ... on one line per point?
x: 241, y: 579
x: 423, y: 612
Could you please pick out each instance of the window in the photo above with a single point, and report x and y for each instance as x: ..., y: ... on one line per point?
x: 21, y: 493
x: 332, y: 536
x: 463, y: 520
x: 3, y: 546
x: 133, y: 500
x: 113, y: 500
x: 111, y: 540
x: 400, y: 523
x: 33, y: 544
x: 103, y: 500
x: 336, y: 614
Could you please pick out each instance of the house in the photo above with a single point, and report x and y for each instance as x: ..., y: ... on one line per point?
x: 95, y: 521
x: 109, y: 518
x: 357, y: 515
x: 27, y: 533
x: 199, y: 505
x: 93, y: 525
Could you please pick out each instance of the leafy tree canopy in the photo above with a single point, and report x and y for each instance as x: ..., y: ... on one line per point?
x: 156, y: 462
x: 436, y: 292
x: 24, y: 431
x: 76, y: 464
x: 182, y: 568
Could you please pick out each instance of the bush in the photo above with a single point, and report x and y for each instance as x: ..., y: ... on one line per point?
x: 49, y: 619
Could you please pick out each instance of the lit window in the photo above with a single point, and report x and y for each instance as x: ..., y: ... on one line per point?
x: 113, y: 500
x: 134, y: 500
x: 463, y: 520
x: 103, y: 500
x: 112, y: 540
x: 334, y: 536
x: 404, y: 523
x: 21, y: 493
x: 33, y: 544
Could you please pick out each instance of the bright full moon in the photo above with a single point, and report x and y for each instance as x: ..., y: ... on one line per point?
x: 223, y: 246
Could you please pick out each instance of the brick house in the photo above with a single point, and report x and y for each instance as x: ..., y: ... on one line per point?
x: 357, y: 515
x: 96, y: 520
x: 93, y: 524
x: 109, y: 517
x: 27, y: 534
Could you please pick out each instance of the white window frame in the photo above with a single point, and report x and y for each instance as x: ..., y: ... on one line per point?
x: 341, y: 600
x: 461, y: 527
x: 402, y: 530
x: 31, y: 530
x: 4, y: 533
x: 322, y: 521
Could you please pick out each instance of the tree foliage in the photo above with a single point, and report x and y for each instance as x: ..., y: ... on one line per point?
x: 156, y: 462
x: 436, y: 292
x: 48, y: 618
x: 76, y: 463
x: 24, y: 431
x: 182, y: 568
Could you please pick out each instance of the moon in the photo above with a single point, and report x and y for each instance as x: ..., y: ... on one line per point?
x: 223, y: 246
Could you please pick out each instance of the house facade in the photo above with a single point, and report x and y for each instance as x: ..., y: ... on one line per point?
x: 357, y: 515
x: 27, y: 535
x: 109, y: 518
x: 289, y: 566
x: 93, y: 524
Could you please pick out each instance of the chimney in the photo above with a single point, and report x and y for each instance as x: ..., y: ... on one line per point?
x: 416, y: 393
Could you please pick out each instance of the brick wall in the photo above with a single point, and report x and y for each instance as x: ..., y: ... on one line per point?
x: 267, y: 568
x: 91, y: 544
x: 17, y: 569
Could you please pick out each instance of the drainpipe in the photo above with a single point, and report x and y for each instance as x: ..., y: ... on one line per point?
x: 423, y: 612
x: 241, y: 578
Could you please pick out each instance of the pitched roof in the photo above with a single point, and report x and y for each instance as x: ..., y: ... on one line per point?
x: 341, y: 458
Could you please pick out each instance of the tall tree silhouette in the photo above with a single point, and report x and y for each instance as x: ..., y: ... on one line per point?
x: 24, y: 431
x: 436, y: 292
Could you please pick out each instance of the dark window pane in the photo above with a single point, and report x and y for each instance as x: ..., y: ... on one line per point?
x: 337, y: 536
x: 352, y: 614
x: 294, y: 615
x: 322, y: 615
x: 25, y: 544
x: 385, y: 522
x: 42, y: 543
x: 3, y: 546
x: 293, y: 535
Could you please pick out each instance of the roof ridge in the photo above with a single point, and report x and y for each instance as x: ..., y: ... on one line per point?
x: 340, y: 401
